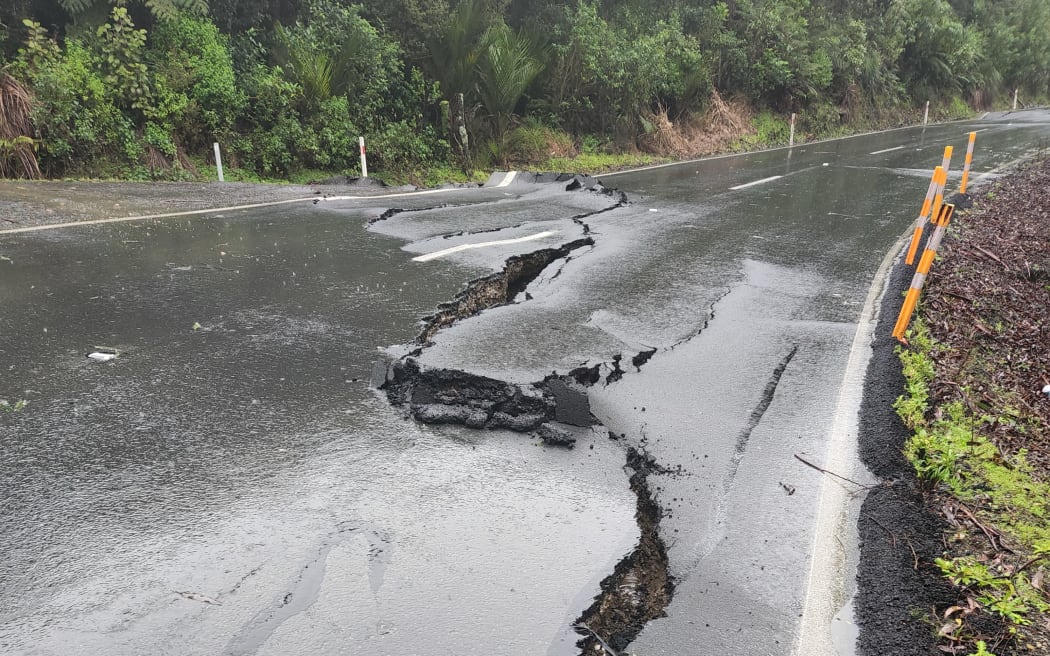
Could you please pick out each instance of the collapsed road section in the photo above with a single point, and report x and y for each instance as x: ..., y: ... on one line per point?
x: 640, y: 586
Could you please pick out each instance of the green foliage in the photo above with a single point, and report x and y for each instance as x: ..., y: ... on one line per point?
x: 1011, y: 597
x: 535, y: 142
x: 455, y: 48
x: 592, y: 163
x: 120, y: 54
x: 940, y: 55
x: 74, y: 109
x: 606, y: 76
x: 162, y: 9
x: 6, y: 406
x: 106, y: 92
x: 403, y: 147
x: 982, y: 649
x: 770, y: 130
x: 949, y: 449
x: 508, y: 64
x: 196, y: 95
x: 333, y: 51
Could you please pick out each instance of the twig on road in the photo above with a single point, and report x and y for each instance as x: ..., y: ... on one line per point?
x: 831, y: 473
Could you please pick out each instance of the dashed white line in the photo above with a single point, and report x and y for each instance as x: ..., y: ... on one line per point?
x: 466, y: 247
x: 887, y: 150
x: 756, y: 182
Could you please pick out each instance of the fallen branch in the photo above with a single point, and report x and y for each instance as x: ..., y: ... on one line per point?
x: 992, y: 255
x: 831, y: 473
x: 997, y: 545
x: 893, y: 536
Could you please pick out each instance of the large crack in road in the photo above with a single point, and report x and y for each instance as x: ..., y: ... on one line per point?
x: 640, y: 586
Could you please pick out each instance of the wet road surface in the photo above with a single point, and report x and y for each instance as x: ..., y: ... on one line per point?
x: 230, y: 484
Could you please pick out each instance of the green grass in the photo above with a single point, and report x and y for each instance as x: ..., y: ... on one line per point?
x: 595, y: 163
x: 771, y: 130
x: 949, y: 451
x: 6, y: 406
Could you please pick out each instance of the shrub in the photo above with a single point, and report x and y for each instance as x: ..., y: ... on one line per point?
x: 74, y: 109
x: 535, y: 142
x: 193, y: 60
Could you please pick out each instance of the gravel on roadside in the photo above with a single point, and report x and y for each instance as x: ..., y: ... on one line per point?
x: 987, y: 304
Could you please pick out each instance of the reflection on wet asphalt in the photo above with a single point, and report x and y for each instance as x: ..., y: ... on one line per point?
x: 230, y: 485
x: 233, y: 451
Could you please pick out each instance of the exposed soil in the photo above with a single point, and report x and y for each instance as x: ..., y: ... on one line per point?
x: 497, y: 288
x: 640, y: 587
x: 986, y: 303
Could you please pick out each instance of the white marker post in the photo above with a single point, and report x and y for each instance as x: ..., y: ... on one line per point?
x: 1015, y: 100
x: 218, y: 161
x: 364, y: 161
x: 791, y: 138
x: 926, y: 114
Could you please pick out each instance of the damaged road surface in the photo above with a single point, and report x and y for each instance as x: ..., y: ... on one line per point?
x: 321, y: 437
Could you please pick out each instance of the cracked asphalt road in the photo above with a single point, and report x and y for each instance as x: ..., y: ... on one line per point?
x: 238, y: 489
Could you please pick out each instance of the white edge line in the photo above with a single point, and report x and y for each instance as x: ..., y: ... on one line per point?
x: 768, y: 150
x: 756, y: 182
x: 831, y: 572
x: 213, y: 210
x: 887, y: 150
x: 466, y: 247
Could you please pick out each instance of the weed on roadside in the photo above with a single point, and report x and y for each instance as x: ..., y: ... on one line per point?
x: 997, y: 503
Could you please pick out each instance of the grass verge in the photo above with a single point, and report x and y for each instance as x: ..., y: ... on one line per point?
x: 996, y: 502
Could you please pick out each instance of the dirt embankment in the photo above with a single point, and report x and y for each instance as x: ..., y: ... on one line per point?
x: 987, y: 307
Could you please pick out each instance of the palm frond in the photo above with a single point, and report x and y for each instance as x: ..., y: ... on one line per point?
x: 16, y: 128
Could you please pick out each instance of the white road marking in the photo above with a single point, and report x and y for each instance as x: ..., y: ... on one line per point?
x: 466, y: 247
x: 213, y: 210
x: 508, y: 179
x: 756, y: 182
x: 887, y: 150
x: 835, y: 540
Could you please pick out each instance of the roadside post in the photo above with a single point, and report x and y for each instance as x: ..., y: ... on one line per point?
x: 922, y: 270
x: 932, y: 209
x: 927, y: 204
x: 966, y: 166
x: 364, y: 160
x: 791, y: 138
x: 1015, y: 101
x: 926, y: 114
x: 218, y: 161
x: 938, y: 199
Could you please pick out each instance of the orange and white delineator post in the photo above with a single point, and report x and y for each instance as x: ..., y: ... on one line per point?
x: 932, y: 205
x: 927, y: 205
x: 939, y: 199
x: 966, y: 166
x: 941, y: 220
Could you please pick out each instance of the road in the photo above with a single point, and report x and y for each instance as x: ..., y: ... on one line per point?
x: 230, y: 483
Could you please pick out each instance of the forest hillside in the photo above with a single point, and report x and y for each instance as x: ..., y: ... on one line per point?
x: 141, y: 89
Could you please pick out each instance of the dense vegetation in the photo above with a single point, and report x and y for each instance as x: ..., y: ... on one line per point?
x: 140, y: 88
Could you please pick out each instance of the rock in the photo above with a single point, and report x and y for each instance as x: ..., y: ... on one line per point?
x: 555, y: 436
x: 521, y: 423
